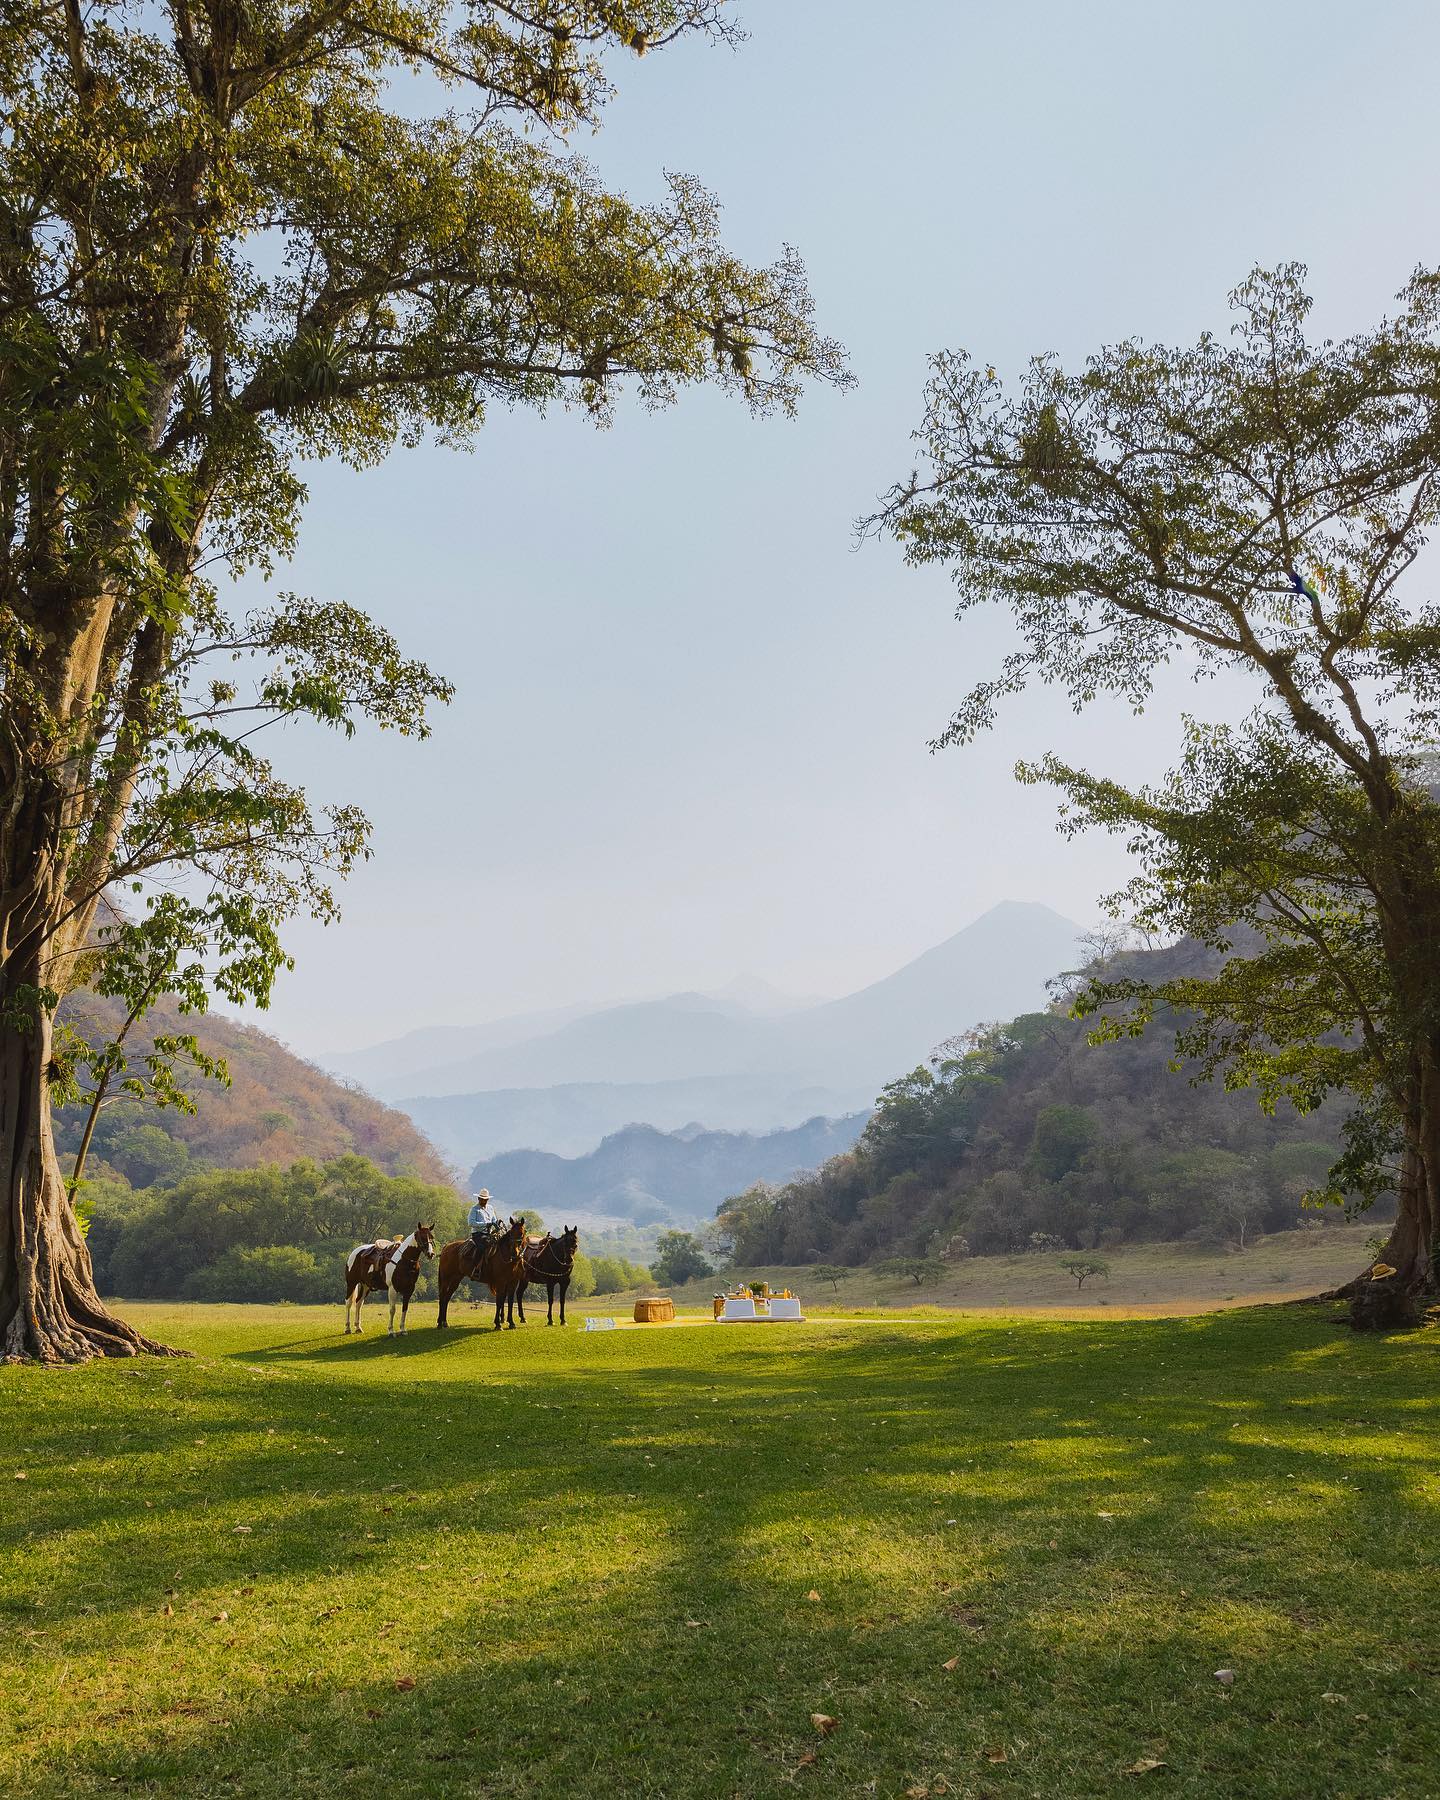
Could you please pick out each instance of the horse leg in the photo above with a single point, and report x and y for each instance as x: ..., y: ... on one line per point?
x: 394, y: 1297
x: 449, y: 1280
x: 520, y: 1300
x: 404, y: 1313
x: 349, y: 1298
x: 549, y: 1302
x: 564, y: 1289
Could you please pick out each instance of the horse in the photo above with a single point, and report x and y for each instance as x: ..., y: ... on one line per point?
x: 550, y: 1259
x: 390, y: 1265
x: 500, y: 1266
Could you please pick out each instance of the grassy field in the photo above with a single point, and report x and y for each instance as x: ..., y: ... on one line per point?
x: 1143, y: 1277
x: 1007, y: 1555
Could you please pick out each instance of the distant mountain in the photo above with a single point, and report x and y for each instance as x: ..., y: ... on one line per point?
x: 754, y: 994
x: 400, y: 1060
x: 746, y: 1057
x: 991, y: 970
x: 435, y: 1057
x: 573, y: 1116
x: 655, y: 1177
x: 645, y: 1040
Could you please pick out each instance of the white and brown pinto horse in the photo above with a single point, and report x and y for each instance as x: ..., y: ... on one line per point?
x: 389, y: 1265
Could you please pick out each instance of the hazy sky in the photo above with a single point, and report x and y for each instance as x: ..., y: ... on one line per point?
x: 690, y: 732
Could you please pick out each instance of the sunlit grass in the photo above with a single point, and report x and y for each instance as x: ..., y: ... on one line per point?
x: 593, y: 1556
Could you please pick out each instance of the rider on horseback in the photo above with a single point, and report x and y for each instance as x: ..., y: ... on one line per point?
x: 485, y: 1223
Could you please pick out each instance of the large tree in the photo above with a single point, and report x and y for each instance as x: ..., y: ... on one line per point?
x: 1255, y: 505
x: 236, y: 234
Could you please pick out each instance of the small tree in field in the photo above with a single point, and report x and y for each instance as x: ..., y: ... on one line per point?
x: 237, y: 235
x: 918, y: 1269
x: 679, y: 1257
x: 831, y: 1272
x: 1083, y: 1267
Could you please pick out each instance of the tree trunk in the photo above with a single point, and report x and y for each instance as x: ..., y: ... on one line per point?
x: 1411, y: 1250
x: 49, y: 1309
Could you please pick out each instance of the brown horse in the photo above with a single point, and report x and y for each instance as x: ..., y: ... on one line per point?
x: 386, y: 1264
x: 551, y: 1260
x: 500, y: 1266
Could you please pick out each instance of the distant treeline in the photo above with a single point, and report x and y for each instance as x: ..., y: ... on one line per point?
x: 278, y: 1233
x: 1029, y: 1137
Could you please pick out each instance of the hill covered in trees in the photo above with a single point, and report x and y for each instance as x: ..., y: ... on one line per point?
x: 1028, y: 1136
x: 277, y: 1108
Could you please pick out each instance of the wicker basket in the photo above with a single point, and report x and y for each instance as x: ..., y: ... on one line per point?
x: 654, y: 1312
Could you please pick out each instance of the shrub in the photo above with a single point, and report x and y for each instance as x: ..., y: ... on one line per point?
x: 614, y: 1275
x: 271, y: 1272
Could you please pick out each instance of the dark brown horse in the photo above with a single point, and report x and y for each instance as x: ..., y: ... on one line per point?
x: 551, y: 1260
x: 500, y: 1265
x: 389, y: 1265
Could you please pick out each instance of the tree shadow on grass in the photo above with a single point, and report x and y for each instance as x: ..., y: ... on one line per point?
x: 606, y: 1503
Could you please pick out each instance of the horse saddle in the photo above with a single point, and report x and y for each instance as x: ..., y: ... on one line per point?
x: 377, y: 1255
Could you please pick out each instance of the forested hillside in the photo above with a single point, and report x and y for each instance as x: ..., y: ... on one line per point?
x: 276, y: 1109
x: 1028, y: 1136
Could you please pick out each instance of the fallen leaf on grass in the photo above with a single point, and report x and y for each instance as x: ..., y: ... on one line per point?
x: 805, y: 1761
x: 995, y: 1754
x: 1334, y: 1699
x: 244, y: 1528
x: 1225, y: 1677
x: 812, y: 1595
x: 404, y: 1684
x: 20, y: 1475
x: 918, y: 1792
x: 167, y: 1611
x: 1146, y: 1765
x: 823, y: 1723
x: 219, y: 1618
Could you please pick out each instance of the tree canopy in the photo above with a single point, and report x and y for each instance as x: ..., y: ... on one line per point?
x: 237, y: 236
x: 1249, y: 504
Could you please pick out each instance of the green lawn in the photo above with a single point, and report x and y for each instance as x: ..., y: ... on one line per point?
x: 574, y: 1564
